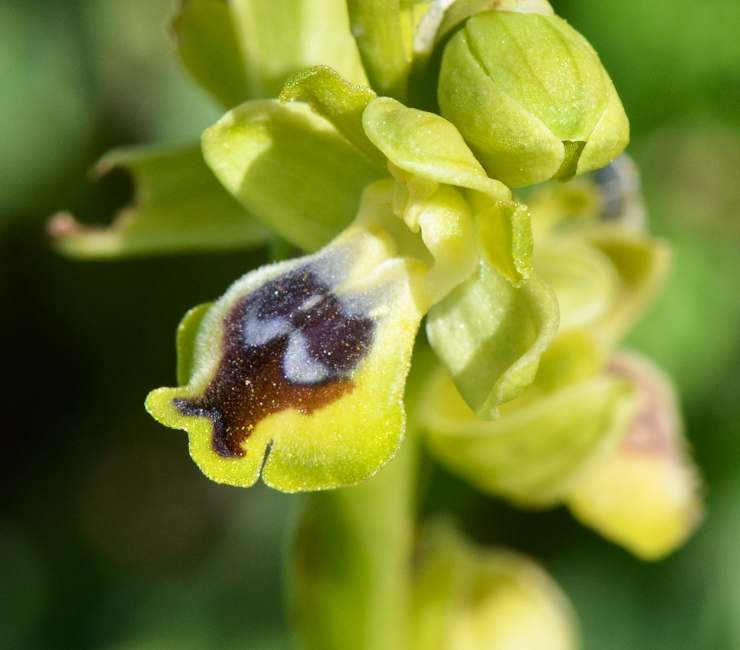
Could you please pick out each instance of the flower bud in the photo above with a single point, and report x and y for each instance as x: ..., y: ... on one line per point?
x: 472, y: 598
x: 531, y: 97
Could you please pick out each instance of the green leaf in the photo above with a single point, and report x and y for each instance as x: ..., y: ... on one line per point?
x: 209, y: 47
x: 490, y: 336
x: 539, y: 449
x: 279, y: 38
x: 339, y: 102
x: 179, y: 207
x: 290, y: 168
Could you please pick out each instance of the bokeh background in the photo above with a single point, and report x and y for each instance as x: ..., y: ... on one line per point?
x: 111, y: 539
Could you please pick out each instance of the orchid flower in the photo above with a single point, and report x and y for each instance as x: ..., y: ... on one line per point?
x: 379, y: 140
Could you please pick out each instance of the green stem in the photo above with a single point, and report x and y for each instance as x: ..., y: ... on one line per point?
x: 351, y: 562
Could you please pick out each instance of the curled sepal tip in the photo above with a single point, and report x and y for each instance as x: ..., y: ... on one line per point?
x: 307, y: 357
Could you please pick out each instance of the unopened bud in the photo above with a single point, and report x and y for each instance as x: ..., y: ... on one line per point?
x: 531, y: 97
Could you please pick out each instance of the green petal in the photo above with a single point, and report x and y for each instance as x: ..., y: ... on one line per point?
x: 308, y: 357
x: 179, y: 206
x: 475, y: 598
x: 209, y: 47
x: 290, y: 168
x: 506, y: 239
x: 428, y: 146
x: 490, y: 336
x: 279, y: 38
x: 339, y: 102
x: 539, y: 449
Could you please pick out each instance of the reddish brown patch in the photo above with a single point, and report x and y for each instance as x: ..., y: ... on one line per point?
x: 250, y: 383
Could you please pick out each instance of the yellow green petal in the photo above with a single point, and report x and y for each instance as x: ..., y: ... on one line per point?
x: 427, y: 145
x: 338, y: 101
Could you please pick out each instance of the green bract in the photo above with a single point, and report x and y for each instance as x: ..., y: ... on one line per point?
x: 531, y: 97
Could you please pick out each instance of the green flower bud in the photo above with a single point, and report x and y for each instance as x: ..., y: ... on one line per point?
x: 472, y: 598
x: 531, y: 97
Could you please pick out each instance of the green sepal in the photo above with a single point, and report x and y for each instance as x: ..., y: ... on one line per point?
x: 290, y: 168
x: 208, y: 45
x: 384, y: 47
x: 490, y: 336
x: 582, y: 277
x: 471, y: 597
x: 531, y: 97
x: 647, y: 496
x: 179, y: 206
x: 338, y: 101
x: 279, y: 38
x: 186, y: 333
x: 539, y: 449
x: 573, y: 356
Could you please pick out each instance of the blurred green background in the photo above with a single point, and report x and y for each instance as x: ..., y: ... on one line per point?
x: 110, y: 538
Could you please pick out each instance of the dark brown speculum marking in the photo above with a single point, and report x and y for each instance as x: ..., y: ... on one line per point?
x: 291, y: 343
